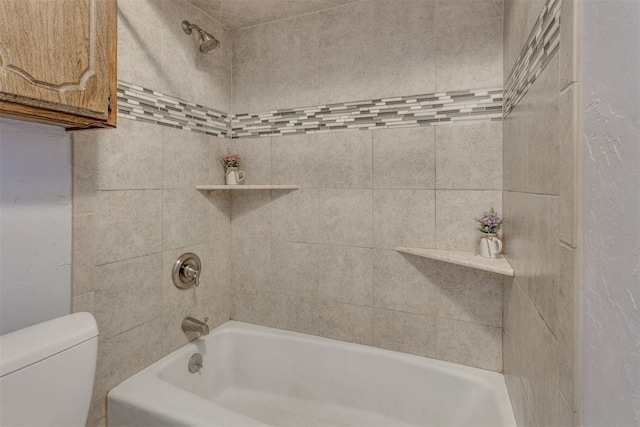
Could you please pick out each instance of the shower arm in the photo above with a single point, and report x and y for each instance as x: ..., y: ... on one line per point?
x: 188, y: 28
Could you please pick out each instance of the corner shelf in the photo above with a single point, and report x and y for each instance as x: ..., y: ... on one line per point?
x: 246, y: 187
x: 467, y: 259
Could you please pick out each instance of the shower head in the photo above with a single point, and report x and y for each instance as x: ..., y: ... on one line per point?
x: 207, y: 41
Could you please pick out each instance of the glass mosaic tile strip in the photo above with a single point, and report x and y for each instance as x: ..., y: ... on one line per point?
x: 542, y: 44
x: 138, y: 103
x: 414, y: 110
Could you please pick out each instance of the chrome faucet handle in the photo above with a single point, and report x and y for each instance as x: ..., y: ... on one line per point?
x: 192, y: 273
x: 186, y: 271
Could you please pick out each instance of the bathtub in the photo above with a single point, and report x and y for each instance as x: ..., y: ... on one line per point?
x: 258, y: 376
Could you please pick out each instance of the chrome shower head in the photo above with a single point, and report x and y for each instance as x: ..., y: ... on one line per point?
x: 207, y: 41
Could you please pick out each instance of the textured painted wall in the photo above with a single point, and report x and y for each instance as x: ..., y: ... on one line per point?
x: 35, y: 224
x: 611, y: 114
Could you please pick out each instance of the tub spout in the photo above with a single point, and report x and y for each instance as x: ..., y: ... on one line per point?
x: 189, y: 324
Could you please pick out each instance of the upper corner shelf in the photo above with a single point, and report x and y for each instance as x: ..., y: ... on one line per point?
x: 247, y: 187
x: 467, y: 259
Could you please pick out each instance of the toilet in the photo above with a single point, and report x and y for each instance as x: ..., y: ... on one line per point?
x: 47, y: 372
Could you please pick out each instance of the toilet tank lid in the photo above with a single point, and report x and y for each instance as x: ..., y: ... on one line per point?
x: 34, y: 343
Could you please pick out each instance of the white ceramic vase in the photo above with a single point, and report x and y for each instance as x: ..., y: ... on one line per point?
x: 233, y: 176
x: 490, y: 246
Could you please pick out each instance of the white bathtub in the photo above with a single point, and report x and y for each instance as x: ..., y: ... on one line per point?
x: 256, y: 376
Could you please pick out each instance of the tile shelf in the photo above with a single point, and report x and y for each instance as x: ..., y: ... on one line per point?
x: 246, y: 187
x: 467, y: 259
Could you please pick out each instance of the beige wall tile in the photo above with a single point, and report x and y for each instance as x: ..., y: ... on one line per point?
x: 251, y: 264
x: 294, y: 37
x: 535, y: 350
x: 255, y: 154
x: 519, y: 16
x: 345, y: 160
x: 405, y: 283
x: 219, y: 149
x: 346, y: 322
x: 516, y: 149
x: 128, y: 224
x: 405, y: 65
x: 128, y: 294
x: 541, y: 272
x: 569, y: 289
x: 348, y: 73
x: 84, y: 152
x: 129, y: 157
x: 405, y: 332
x: 455, y: 213
x: 392, y: 17
x: 469, y: 344
x: 404, y: 218
x: 187, y: 158
x: 251, y: 215
x: 469, y: 157
x: 345, y: 217
x: 295, y: 81
x: 294, y: 313
x: 295, y: 215
x: 253, y: 87
x: 83, y: 254
x: 348, y: 24
x: 122, y: 356
x: 295, y: 160
x: 138, y: 44
x: 85, y: 302
x: 522, y: 408
x: 345, y: 274
x: 252, y: 44
x: 570, y: 15
x: 543, y: 131
x: 404, y: 158
x: 470, y: 295
x: 220, y: 264
x: 294, y: 268
x: 252, y: 306
x: 450, y: 13
x: 469, y: 56
x: 219, y: 220
x: 569, y: 172
x: 185, y: 216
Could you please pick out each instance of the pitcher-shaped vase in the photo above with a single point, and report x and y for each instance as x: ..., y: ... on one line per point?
x: 233, y: 176
x: 490, y: 245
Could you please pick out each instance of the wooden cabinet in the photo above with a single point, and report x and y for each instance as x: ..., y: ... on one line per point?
x: 58, y: 61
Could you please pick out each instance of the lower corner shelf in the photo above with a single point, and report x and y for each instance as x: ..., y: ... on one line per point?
x: 467, y: 259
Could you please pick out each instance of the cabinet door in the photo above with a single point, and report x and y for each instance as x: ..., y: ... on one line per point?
x: 58, y: 55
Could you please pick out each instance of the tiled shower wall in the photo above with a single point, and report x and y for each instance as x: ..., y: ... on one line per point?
x: 541, y: 175
x: 135, y: 207
x: 321, y: 260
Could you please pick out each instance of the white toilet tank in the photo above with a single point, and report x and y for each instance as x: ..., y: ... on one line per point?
x: 47, y: 372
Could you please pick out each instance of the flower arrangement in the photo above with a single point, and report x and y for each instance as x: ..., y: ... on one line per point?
x: 231, y: 161
x: 490, y: 222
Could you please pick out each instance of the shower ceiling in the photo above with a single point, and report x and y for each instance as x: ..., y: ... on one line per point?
x: 236, y: 14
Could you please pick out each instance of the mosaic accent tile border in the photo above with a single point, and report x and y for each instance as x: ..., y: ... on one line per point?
x: 138, y: 103
x: 406, y: 111
x: 146, y: 105
x: 542, y: 44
